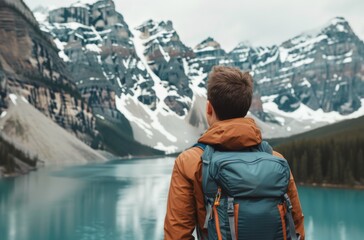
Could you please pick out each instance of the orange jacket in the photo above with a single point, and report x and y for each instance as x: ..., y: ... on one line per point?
x: 185, y: 206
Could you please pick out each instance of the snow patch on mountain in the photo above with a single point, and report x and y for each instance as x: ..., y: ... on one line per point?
x: 160, y: 84
x: 159, y: 128
x: 155, y: 129
x: 13, y: 98
x: 3, y: 114
x: 300, y: 120
x: 160, y: 91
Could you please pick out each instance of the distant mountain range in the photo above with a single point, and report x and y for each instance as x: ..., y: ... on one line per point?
x: 347, y: 127
x: 142, y: 91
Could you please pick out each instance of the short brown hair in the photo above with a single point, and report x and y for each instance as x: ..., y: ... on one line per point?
x: 230, y: 92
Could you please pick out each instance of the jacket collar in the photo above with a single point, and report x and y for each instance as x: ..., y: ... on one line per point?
x: 232, y: 134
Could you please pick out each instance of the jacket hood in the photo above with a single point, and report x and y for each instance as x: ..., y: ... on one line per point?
x: 232, y: 134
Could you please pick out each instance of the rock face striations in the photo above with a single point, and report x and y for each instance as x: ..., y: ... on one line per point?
x: 112, y: 85
x: 323, y: 69
x: 96, y: 45
x: 101, y: 52
x: 149, y: 75
x: 31, y: 70
x: 143, y: 74
x: 166, y: 55
x: 30, y: 66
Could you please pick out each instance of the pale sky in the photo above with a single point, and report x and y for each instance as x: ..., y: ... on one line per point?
x: 260, y: 22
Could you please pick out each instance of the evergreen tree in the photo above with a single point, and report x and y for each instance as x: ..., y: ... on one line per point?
x: 335, y: 166
x: 303, y: 167
x: 317, y: 170
x: 360, y: 164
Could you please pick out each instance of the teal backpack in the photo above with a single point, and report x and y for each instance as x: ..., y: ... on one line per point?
x: 246, y: 194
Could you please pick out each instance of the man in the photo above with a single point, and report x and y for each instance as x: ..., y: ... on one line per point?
x: 229, y: 94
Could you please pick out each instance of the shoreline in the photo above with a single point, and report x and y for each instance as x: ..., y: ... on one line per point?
x: 109, y: 157
x: 141, y: 157
x: 331, y: 185
x: 4, y: 174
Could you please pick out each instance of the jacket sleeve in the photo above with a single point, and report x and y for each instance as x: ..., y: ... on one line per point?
x: 180, y: 220
x: 296, y: 210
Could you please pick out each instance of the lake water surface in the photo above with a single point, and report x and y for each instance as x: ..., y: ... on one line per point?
x: 126, y: 199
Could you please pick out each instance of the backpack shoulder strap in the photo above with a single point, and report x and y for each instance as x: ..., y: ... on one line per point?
x: 205, y: 158
x: 207, y: 151
x: 264, y: 147
x: 291, y: 226
x: 202, y: 146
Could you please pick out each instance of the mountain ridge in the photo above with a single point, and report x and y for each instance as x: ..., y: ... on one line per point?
x: 288, y: 76
x: 141, y: 83
x: 31, y: 69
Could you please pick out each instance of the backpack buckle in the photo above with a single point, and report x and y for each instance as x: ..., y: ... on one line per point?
x: 217, y: 197
x: 288, y: 201
x: 230, y: 207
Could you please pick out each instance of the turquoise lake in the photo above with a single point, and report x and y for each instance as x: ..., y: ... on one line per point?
x: 126, y: 199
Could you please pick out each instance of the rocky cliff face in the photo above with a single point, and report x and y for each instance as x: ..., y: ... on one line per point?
x: 99, y: 48
x: 30, y: 66
x: 143, y: 74
x: 148, y: 78
x: 325, y: 68
x: 208, y: 54
x: 96, y: 44
x: 166, y: 55
x: 322, y: 69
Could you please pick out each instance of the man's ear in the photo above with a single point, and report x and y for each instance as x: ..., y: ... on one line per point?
x: 209, y: 108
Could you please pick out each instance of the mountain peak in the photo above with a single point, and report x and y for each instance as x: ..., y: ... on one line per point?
x: 208, y: 44
x: 334, y: 25
x: 79, y: 4
x: 242, y: 46
x: 338, y: 24
x: 153, y: 26
x: 337, y: 20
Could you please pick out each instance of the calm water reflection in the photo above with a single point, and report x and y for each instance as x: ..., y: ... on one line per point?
x: 126, y: 200
x: 333, y: 213
x: 118, y: 200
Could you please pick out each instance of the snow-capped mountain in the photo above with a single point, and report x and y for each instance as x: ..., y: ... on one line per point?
x: 31, y: 70
x: 313, y: 79
x: 41, y: 110
x: 165, y: 55
x: 208, y: 54
x: 148, y: 78
x: 322, y: 69
x: 142, y: 74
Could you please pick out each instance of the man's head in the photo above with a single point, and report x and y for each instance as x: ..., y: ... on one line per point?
x: 229, y: 94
